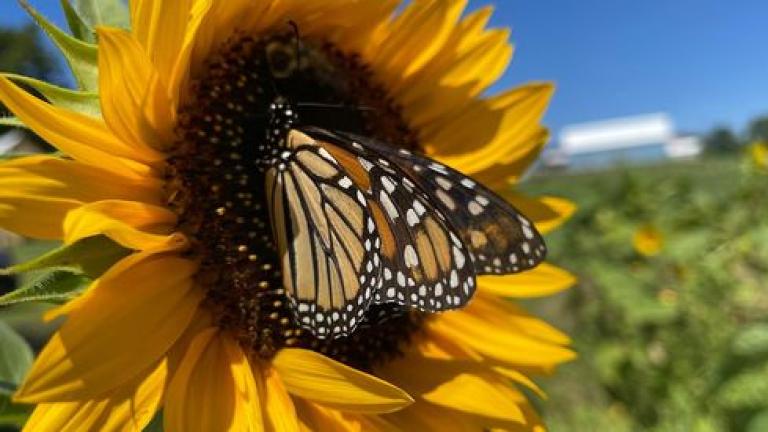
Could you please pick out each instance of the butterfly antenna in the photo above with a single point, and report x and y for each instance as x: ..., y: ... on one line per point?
x: 297, y: 36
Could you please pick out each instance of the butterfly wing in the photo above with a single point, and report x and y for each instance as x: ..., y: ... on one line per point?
x: 500, y: 238
x: 321, y: 222
x: 424, y: 263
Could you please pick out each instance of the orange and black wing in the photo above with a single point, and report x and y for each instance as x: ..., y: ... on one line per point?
x: 326, y: 238
x: 424, y: 263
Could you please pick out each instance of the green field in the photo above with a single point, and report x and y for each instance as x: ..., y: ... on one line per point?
x: 673, y: 342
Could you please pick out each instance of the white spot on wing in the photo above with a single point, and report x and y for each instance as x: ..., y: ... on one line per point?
x: 389, y: 207
x: 475, y: 208
x: 412, y: 218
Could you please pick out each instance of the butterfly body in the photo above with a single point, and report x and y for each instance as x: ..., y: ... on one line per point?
x: 358, y: 222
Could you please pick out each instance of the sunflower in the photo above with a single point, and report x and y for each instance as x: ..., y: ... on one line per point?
x: 194, y: 321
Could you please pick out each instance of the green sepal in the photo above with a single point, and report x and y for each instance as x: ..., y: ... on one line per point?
x: 83, y: 102
x: 82, y: 57
x: 12, y: 122
x: 90, y: 257
x: 79, y: 28
x: 15, y: 360
x: 112, y: 13
x: 56, y: 286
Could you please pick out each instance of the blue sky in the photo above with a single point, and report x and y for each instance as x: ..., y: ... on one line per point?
x: 703, y: 61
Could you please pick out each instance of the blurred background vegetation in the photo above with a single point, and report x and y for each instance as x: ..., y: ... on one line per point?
x: 677, y: 341
x: 671, y: 339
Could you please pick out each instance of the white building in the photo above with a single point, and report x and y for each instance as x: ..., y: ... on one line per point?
x: 631, y: 140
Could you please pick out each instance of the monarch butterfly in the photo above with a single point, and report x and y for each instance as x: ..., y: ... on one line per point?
x: 358, y: 222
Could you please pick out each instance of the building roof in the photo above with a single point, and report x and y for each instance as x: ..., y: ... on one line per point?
x: 618, y: 133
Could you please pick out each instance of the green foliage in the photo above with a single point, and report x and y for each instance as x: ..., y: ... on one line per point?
x: 722, y: 140
x: 677, y: 342
x: 65, y: 272
x: 15, y: 359
x: 90, y: 256
x: 758, y: 129
x: 82, y: 57
x: 112, y: 13
x: 57, y: 286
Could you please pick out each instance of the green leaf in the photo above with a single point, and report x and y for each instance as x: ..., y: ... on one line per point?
x: 759, y: 422
x: 79, y: 28
x: 91, y: 256
x: 751, y: 340
x: 15, y: 358
x: 12, y: 122
x: 13, y: 414
x: 82, y: 57
x: 57, y: 286
x: 83, y: 102
x: 113, y: 13
x: 746, y: 390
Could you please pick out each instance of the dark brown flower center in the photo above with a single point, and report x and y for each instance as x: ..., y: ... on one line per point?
x: 217, y: 187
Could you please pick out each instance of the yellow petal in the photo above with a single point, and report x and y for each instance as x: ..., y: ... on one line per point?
x: 197, y: 29
x: 317, y: 378
x: 129, y: 407
x: 508, y: 171
x: 279, y: 410
x: 319, y: 418
x: 508, y: 315
x: 475, y: 139
x: 414, y: 38
x: 135, y: 225
x: 424, y: 416
x: 548, y: 213
x: 84, y: 138
x: 469, y: 62
x: 502, y: 344
x: 36, y: 193
x: 541, y: 281
x: 160, y: 26
x: 461, y: 385
x: 134, y: 102
x: 214, y: 388
x: 125, y: 322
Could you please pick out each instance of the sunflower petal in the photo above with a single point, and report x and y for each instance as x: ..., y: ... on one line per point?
x: 508, y: 171
x: 317, y: 378
x: 135, y: 312
x: 36, y: 192
x: 129, y: 407
x: 502, y: 344
x: 214, y: 388
x: 134, y: 225
x: 474, y: 139
x: 415, y: 37
x: 83, y: 102
x: 479, y: 395
x: 160, y: 27
x: 547, y: 212
x: 84, y: 138
x: 424, y: 416
x: 541, y: 281
x: 319, y: 418
x: 134, y: 102
x: 279, y: 410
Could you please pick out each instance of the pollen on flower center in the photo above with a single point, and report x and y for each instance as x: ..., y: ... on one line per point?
x: 216, y: 184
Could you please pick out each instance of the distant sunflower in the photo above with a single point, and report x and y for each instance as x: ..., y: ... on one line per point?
x: 648, y: 240
x: 193, y: 321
